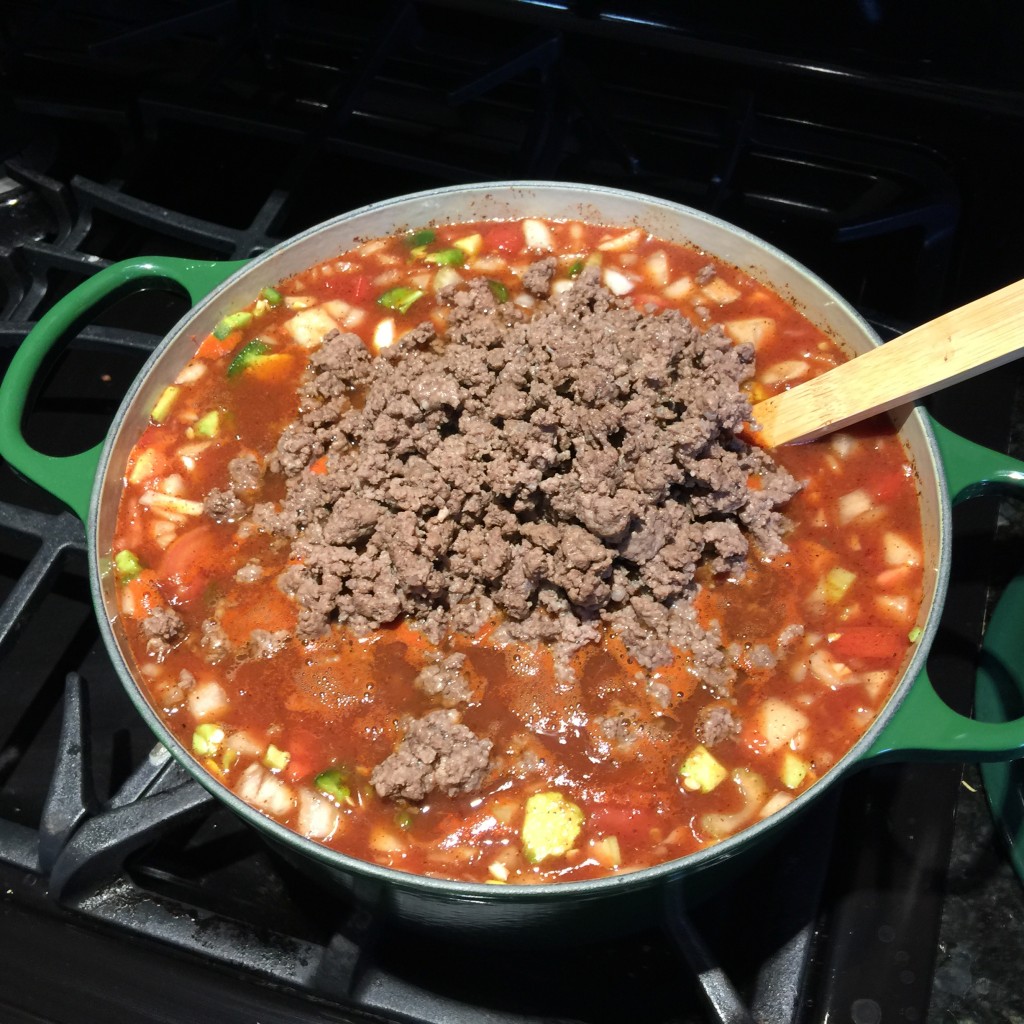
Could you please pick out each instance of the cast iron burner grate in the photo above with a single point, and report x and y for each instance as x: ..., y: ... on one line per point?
x: 161, y: 903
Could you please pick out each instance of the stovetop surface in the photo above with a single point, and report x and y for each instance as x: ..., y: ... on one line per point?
x: 212, y: 132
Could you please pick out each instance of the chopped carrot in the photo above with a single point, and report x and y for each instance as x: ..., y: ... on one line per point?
x: 890, y: 578
x: 319, y: 466
x: 142, y: 594
x: 214, y: 347
x: 868, y: 642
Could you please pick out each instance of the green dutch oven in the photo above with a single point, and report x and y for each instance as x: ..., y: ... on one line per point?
x: 915, y: 724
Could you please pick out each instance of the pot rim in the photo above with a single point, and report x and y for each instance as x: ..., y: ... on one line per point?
x: 481, y: 892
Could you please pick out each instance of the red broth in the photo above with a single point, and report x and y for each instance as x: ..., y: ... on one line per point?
x: 296, y: 732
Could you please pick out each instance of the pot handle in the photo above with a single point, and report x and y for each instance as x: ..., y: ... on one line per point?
x: 924, y: 727
x: 70, y: 478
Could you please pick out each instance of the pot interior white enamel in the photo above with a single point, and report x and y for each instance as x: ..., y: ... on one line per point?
x: 509, y: 907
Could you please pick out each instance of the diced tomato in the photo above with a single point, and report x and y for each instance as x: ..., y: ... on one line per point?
x: 361, y: 288
x: 868, y: 642
x: 190, y: 563
x: 319, y: 466
x: 214, y: 347
x: 886, y: 488
x: 623, y: 820
x: 504, y: 236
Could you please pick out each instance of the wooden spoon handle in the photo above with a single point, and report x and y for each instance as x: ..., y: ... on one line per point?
x: 985, y: 333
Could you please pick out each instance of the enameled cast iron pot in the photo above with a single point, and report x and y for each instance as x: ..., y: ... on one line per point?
x: 915, y: 723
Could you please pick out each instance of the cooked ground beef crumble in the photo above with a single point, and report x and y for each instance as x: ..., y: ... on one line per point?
x: 561, y: 466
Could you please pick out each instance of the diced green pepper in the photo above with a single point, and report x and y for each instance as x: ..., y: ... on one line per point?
x: 248, y: 354
x: 915, y: 634
x: 498, y: 290
x: 417, y: 238
x: 400, y: 298
x: 575, y: 269
x: 275, y: 758
x: 446, y: 257
x: 232, y: 322
x: 551, y: 824
x: 272, y: 295
x: 404, y: 817
x: 207, y: 738
x: 334, y: 782
x: 208, y: 424
x: 127, y: 564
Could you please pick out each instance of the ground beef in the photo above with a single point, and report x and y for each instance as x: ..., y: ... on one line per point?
x: 715, y: 723
x: 265, y: 644
x: 163, y: 629
x: 224, y: 506
x: 567, y: 465
x: 444, y: 682
x: 437, y: 752
x: 213, y: 641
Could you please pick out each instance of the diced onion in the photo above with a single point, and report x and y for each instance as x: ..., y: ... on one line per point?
x: 657, y: 268
x: 775, y: 803
x: 755, y: 329
x: 298, y: 301
x: 778, y: 722
x: 191, y: 372
x: 207, y: 700
x: 720, y: 292
x: 630, y: 240
x: 899, y: 551
x: 852, y: 505
x: 309, y: 327
x: 786, y: 370
x: 617, y: 282
x: 829, y: 670
x: 679, y: 288
x: 384, y: 334
x: 171, y: 504
x: 318, y: 816
x: 754, y: 792
x: 537, y: 235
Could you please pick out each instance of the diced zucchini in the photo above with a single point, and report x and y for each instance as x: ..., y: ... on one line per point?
x: 453, y: 257
x: 208, y: 424
x: 275, y: 758
x: 249, y: 354
x: 127, y: 565
x: 470, y: 245
x: 793, y: 770
x: 837, y: 582
x: 701, y: 771
x: 400, y: 298
x: 551, y: 824
x: 498, y: 290
x: 207, y: 739
x: 163, y: 404
x: 231, y: 322
x: 335, y: 782
x: 915, y: 634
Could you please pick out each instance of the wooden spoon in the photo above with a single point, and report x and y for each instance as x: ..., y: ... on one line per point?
x: 983, y: 334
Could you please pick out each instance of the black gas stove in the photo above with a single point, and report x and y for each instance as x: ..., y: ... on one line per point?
x: 875, y: 146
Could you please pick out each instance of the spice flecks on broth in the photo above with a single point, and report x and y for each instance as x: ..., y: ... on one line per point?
x: 450, y: 553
